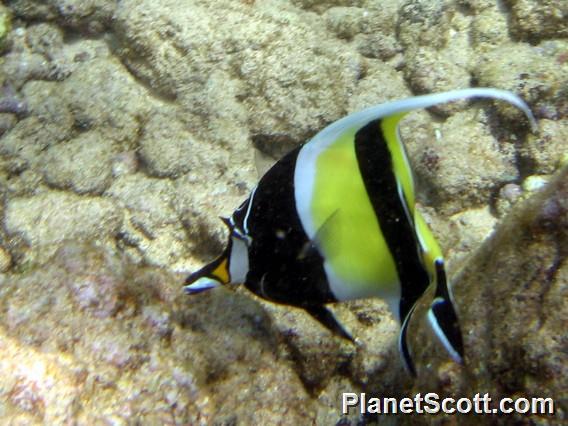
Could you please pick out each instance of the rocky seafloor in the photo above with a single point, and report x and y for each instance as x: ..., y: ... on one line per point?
x: 127, y: 127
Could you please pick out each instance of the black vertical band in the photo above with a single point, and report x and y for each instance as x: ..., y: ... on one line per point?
x: 376, y: 166
x: 284, y: 265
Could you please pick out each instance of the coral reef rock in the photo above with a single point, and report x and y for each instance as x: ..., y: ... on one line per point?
x: 128, y: 127
x: 513, y: 306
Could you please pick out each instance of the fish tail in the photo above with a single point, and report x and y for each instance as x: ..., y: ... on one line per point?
x: 443, y: 318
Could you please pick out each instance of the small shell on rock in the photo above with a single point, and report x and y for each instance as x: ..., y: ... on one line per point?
x: 511, y: 192
x: 535, y: 183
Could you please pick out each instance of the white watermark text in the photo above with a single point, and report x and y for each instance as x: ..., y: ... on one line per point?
x: 431, y: 403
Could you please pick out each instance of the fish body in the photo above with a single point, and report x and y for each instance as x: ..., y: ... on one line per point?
x: 335, y: 220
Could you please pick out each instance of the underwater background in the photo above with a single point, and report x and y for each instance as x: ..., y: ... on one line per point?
x: 127, y: 127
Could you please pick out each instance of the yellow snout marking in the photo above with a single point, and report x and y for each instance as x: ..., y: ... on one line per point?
x: 221, y: 272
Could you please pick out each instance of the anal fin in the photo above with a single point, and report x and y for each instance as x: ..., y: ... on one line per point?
x: 328, y: 320
x: 403, y: 345
x: 444, y: 322
x: 443, y: 318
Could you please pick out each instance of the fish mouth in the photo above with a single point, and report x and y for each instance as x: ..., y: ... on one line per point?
x: 210, y: 276
x: 201, y: 284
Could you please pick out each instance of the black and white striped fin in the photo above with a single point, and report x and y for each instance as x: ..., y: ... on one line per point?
x: 443, y: 318
x: 403, y: 345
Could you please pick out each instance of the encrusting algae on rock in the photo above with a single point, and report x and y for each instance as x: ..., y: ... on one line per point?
x: 127, y: 127
x: 513, y: 299
x: 128, y: 347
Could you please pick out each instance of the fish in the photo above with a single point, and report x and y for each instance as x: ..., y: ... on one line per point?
x: 335, y: 220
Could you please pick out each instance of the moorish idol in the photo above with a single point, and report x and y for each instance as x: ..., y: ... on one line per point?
x: 335, y: 220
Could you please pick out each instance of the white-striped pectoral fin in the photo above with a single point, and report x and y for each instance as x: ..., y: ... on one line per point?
x: 202, y: 284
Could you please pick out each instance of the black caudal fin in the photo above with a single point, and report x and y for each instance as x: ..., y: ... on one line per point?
x: 327, y: 319
x: 403, y: 345
x: 443, y: 318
